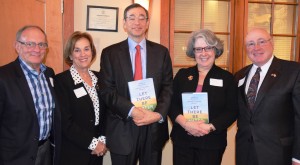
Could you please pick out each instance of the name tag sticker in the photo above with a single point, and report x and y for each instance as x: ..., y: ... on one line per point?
x: 80, y: 92
x: 241, y: 82
x: 51, y: 81
x: 216, y: 82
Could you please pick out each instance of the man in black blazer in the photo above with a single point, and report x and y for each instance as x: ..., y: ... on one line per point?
x: 268, y: 133
x: 29, y: 115
x: 135, y: 133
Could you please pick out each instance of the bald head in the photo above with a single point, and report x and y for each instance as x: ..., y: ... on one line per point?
x: 258, y: 32
x: 259, y: 46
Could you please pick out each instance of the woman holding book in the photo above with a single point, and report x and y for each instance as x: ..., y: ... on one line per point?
x: 197, y: 140
x: 83, y: 140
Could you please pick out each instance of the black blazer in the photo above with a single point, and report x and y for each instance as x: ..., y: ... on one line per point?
x: 78, y: 120
x: 116, y: 70
x: 274, y: 124
x: 222, y: 105
x: 19, y: 128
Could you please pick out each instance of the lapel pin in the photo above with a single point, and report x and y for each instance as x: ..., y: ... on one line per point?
x: 273, y: 75
x: 190, y: 77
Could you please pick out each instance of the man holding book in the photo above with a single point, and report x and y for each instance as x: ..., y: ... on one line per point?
x: 134, y: 133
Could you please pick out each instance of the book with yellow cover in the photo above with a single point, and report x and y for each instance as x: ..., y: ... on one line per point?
x: 142, y: 93
x: 195, y: 106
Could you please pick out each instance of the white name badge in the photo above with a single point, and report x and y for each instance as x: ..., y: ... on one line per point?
x: 51, y: 81
x: 241, y: 82
x: 216, y: 82
x: 80, y: 92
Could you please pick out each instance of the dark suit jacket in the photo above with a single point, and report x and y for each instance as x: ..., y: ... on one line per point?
x: 274, y: 124
x: 222, y: 105
x: 116, y: 70
x: 19, y: 128
x: 78, y: 120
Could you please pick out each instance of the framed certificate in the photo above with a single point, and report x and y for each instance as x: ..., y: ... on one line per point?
x: 100, y: 18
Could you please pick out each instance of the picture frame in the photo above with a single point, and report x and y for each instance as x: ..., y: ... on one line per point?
x: 102, y: 18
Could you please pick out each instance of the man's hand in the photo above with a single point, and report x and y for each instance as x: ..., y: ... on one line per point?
x: 137, y: 113
x: 147, y: 118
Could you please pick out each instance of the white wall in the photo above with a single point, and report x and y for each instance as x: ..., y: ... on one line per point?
x: 104, y: 39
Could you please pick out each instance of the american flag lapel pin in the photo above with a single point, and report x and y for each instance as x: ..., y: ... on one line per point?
x: 273, y: 75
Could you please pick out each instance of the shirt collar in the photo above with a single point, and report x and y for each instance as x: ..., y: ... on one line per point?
x: 132, y: 44
x: 265, y: 67
x: 77, y: 79
x: 29, y: 70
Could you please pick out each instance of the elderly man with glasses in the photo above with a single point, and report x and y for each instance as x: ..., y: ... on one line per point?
x: 29, y: 115
x: 269, y: 106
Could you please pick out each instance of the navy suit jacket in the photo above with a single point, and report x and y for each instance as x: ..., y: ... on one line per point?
x: 274, y: 123
x: 116, y: 72
x: 19, y: 128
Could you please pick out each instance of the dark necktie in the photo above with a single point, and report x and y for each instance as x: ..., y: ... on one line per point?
x: 138, y: 75
x: 252, y: 90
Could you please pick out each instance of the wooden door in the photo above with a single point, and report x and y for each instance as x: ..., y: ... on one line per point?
x: 46, y: 14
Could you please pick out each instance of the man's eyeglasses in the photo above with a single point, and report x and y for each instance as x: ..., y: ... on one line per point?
x: 132, y: 18
x: 31, y: 45
x: 206, y: 49
x: 261, y: 42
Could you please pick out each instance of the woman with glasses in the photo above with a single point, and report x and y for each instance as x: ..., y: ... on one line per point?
x: 83, y: 140
x: 197, y: 141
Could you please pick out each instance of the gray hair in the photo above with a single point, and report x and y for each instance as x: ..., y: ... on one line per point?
x: 209, y: 37
x: 20, y: 31
x: 135, y: 5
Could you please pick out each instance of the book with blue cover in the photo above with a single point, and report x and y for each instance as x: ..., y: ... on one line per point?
x: 195, y: 106
x: 142, y: 93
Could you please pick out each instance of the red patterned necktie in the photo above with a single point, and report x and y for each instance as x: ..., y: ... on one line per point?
x: 252, y: 90
x: 138, y: 74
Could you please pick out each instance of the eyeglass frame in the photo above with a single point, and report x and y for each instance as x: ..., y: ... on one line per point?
x: 260, y: 42
x: 205, y: 49
x: 41, y: 45
x: 132, y: 18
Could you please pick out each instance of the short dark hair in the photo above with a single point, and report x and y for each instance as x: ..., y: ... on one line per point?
x: 70, y: 45
x: 21, y: 30
x: 135, y: 5
x: 209, y: 37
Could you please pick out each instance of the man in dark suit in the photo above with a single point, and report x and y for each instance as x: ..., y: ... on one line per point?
x: 268, y: 128
x: 135, y: 133
x: 29, y: 115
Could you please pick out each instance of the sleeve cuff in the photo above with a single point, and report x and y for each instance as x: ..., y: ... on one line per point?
x: 102, y: 139
x: 93, y: 144
x: 161, y: 118
x: 130, y: 111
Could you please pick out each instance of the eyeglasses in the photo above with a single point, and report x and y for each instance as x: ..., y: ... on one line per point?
x: 261, y: 42
x: 206, y: 49
x: 78, y: 50
x: 31, y: 45
x: 132, y: 18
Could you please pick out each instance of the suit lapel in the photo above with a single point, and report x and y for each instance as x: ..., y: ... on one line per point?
x: 125, y: 62
x: 150, y: 60
x: 242, y: 88
x: 23, y: 85
x: 268, y: 82
x: 49, y: 78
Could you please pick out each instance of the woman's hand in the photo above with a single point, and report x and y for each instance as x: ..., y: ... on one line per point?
x: 100, y: 149
x: 197, y: 128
